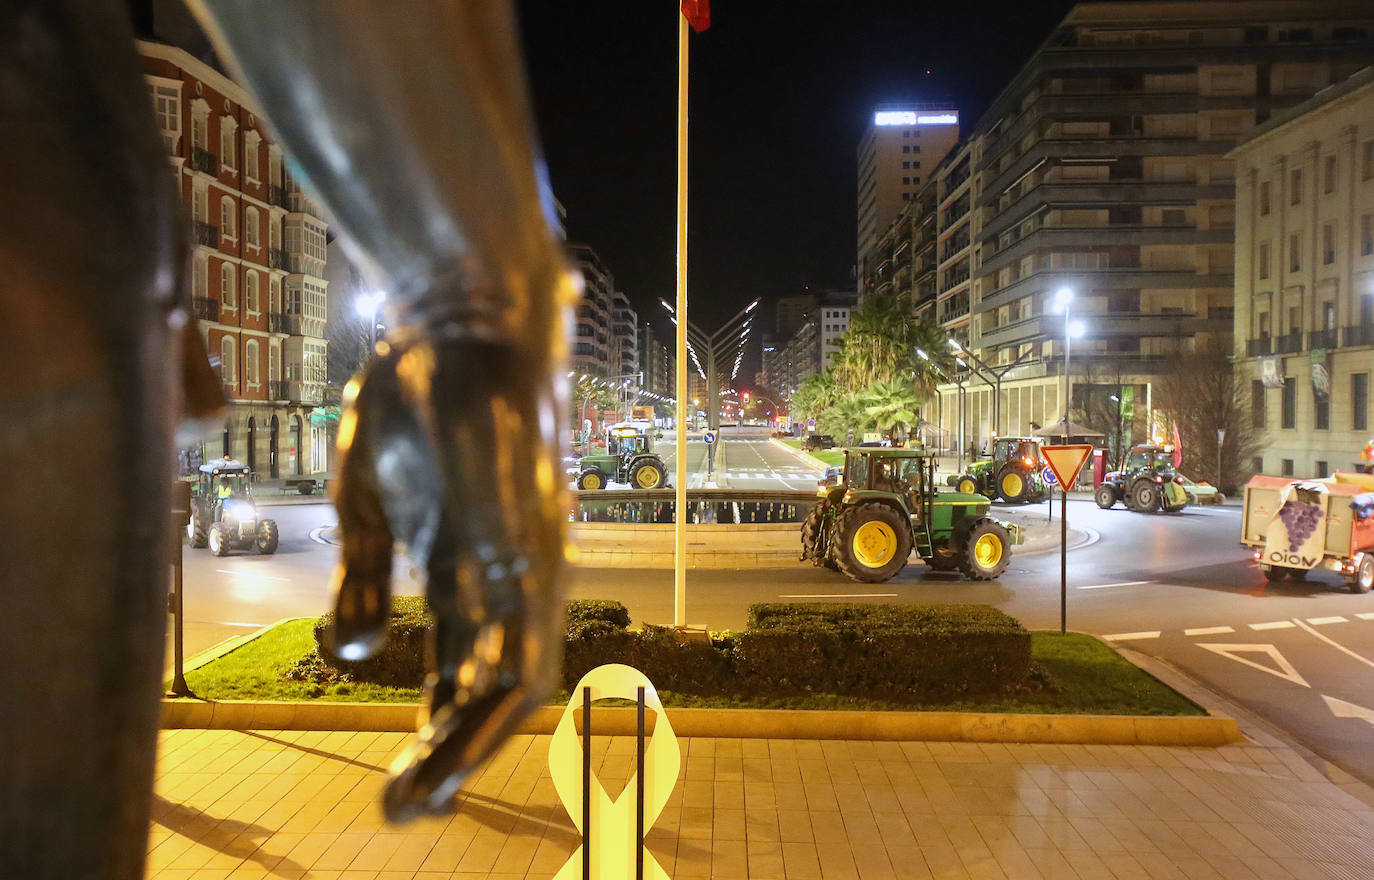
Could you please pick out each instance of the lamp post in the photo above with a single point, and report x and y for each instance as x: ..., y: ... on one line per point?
x: 367, y: 306
x: 727, y: 342
x: 995, y: 382
x: 1063, y: 302
x: 958, y: 383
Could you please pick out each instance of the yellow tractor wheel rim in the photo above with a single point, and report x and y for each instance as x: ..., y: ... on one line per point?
x: 592, y: 481
x: 987, y: 551
x: 647, y: 478
x: 967, y: 486
x: 1012, y: 484
x: 875, y: 543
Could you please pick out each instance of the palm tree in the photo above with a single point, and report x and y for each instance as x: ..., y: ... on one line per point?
x: 891, y: 405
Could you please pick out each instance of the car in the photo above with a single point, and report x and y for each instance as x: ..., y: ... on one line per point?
x: 1146, y: 482
x: 814, y: 442
x: 224, y: 516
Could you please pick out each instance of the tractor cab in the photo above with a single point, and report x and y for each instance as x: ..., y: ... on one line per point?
x: 629, y: 458
x: 223, y: 513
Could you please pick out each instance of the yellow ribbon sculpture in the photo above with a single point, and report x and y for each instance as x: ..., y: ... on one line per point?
x: 612, y: 833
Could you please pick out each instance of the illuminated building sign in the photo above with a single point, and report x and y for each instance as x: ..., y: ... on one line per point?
x: 911, y: 117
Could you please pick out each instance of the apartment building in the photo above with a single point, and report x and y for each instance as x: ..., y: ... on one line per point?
x: 1304, y: 271
x: 258, y: 286
x: 900, y: 147
x: 832, y: 322
x: 1103, y: 167
x: 656, y: 361
x: 624, y: 337
x: 592, y: 347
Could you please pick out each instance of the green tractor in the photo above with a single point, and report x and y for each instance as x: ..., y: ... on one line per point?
x: 1012, y: 473
x: 889, y: 505
x: 629, y: 458
x: 223, y: 513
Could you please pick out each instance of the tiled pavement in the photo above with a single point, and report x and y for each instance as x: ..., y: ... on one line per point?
x: 296, y: 804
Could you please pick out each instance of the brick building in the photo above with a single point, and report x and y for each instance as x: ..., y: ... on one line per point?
x: 257, y: 279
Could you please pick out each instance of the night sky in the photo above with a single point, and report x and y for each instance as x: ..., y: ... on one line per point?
x: 780, y: 95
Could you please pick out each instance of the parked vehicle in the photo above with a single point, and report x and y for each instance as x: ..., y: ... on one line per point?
x: 629, y: 458
x: 1297, y: 526
x: 1146, y: 482
x: 1012, y: 473
x: 224, y: 516
x: 887, y: 505
x: 814, y: 442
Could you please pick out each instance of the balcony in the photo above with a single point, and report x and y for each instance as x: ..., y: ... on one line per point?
x: 1358, y: 334
x: 276, y: 389
x: 278, y: 323
x: 1258, y: 347
x: 1289, y: 344
x: 204, y: 160
x: 206, y: 234
x: 299, y: 202
x: 1322, y: 338
x: 205, y: 309
x: 276, y: 196
x: 277, y: 258
x: 303, y: 392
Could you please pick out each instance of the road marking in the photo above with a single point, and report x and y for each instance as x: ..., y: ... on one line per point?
x: 1341, y: 648
x: 237, y: 623
x: 1365, y: 615
x: 1123, y: 637
x: 839, y: 596
x: 1322, y: 621
x: 1274, y: 624
x: 1108, y: 586
x: 1342, y: 709
x: 249, y: 574
x: 1285, y: 670
x: 1208, y: 631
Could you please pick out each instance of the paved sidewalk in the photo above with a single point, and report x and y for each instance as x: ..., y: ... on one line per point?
x: 300, y: 804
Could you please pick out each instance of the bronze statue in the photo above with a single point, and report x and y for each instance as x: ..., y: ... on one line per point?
x: 414, y: 130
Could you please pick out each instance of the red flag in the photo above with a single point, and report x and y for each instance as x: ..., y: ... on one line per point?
x: 697, y: 13
x: 1178, y: 447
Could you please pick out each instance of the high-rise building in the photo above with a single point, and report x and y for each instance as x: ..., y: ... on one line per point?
x: 1304, y: 270
x: 257, y: 273
x: 832, y: 322
x: 899, y: 148
x: 591, y: 351
x: 791, y: 312
x: 624, y: 359
x: 1102, y: 168
x: 656, y: 362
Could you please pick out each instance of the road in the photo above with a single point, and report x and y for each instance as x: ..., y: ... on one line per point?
x: 1176, y: 587
x: 743, y: 461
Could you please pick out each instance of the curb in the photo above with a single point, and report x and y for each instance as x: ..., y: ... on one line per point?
x: 739, y: 723
x: 806, y: 458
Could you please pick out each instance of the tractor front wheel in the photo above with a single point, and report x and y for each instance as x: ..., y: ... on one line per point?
x: 874, y: 543
x: 968, y: 486
x: 811, y: 536
x: 1105, y: 496
x: 647, y: 475
x: 1145, y: 496
x: 985, y: 550
x: 591, y: 481
x: 1275, y: 573
x: 1013, y: 484
x: 267, y: 537
x: 218, y: 539
x: 195, y: 531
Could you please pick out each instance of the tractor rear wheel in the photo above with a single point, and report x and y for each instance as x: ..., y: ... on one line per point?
x: 647, y: 475
x: 1145, y: 496
x: 267, y: 537
x: 1013, y: 484
x: 1363, y: 579
x: 218, y: 539
x: 985, y: 550
x: 811, y: 536
x: 195, y: 531
x: 968, y: 485
x: 874, y: 541
x: 1105, y: 496
x: 1275, y: 573
x: 591, y: 481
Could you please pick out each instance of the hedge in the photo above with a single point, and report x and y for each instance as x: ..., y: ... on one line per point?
x: 904, y: 653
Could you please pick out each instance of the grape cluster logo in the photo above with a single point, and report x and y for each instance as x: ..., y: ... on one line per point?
x: 1296, y: 535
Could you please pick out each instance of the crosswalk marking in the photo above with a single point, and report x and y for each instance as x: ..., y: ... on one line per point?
x: 1274, y: 624
x: 1320, y: 621
x: 1365, y: 615
x: 1123, y: 637
x: 1208, y: 631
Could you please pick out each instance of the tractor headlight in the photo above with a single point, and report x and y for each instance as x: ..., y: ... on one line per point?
x: 240, y: 510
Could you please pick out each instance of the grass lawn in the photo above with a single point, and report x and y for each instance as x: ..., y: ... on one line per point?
x: 1076, y: 674
x: 829, y: 456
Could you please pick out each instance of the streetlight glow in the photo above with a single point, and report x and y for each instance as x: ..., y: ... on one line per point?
x: 1062, y: 298
x: 1076, y: 329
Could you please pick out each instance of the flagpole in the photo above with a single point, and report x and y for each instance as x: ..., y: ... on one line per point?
x: 680, y: 478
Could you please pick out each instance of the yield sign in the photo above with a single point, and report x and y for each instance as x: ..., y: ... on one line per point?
x: 1066, y: 461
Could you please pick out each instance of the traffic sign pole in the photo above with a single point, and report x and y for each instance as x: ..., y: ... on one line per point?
x: 1065, y: 462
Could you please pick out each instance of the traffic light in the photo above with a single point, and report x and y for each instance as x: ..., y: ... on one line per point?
x: 746, y: 397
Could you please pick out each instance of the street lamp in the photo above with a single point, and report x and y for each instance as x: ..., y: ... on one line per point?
x: 995, y: 383
x: 367, y: 305
x: 717, y: 348
x: 1063, y: 302
x: 958, y: 383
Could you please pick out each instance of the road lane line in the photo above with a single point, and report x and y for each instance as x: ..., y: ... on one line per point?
x: 1208, y: 631
x: 839, y: 596
x: 1126, y: 637
x: 1273, y: 624
x: 1365, y: 615
x: 237, y: 623
x: 249, y: 574
x: 1108, y: 586
x: 1366, y: 661
x: 1322, y: 621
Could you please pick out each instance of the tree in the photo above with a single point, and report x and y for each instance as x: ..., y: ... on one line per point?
x: 890, y: 406
x: 881, y: 344
x: 1200, y: 393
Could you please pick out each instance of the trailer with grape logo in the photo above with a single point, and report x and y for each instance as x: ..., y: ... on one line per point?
x: 1297, y: 526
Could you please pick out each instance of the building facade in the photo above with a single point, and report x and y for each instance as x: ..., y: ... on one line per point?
x: 1102, y: 167
x: 1304, y: 270
x: 591, y: 350
x: 656, y: 361
x: 624, y: 337
x: 258, y: 286
x: 900, y: 147
x: 832, y: 323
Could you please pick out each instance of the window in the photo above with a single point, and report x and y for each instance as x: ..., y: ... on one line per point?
x: 226, y: 217
x: 1290, y: 404
x: 198, y: 278
x: 1174, y: 217
x: 167, y: 107
x: 274, y: 296
x: 906, y: 180
x: 1264, y: 198
x: 226, y: 141
x: 226, y: 361
x: 1295, y: 252
x: 250, y: 291
x: 1367, y: 235
x: 200, y: 126
x: 906, y: 148
x: 250, y: 362
x: 198, y: 209
x: 1359, y: 401
x: 1321, y: 412
x: 1367, y: 161
x: 1328, y: 244
x: 1321, y: 468
x: 1295, y: 187
x: 250, y: 226
x: 1286, y: 467
x: 1329, y: 175
x: 273, y: 363
x: 228, y: 295
x: 906, y: 165
x: 250, y: 154
x: 1257, y: 464
x: 1264, y: 260
x: 1256, y: 404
